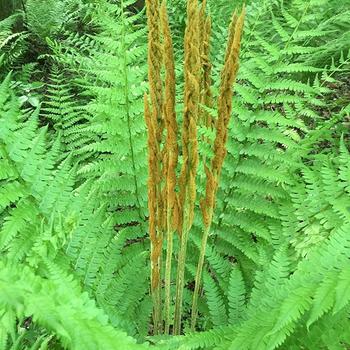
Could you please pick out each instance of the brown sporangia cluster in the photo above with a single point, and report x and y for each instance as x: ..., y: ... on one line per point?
x: 205, y: 84
x: 172, y: 194
x: 228, y: 77
x: 155, y: 125
x: 171, y: 148
x: 190, y: 158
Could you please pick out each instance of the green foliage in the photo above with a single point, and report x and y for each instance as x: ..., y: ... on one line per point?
x: 284, y: 305
x: 113, y: 74
x: 320, y: 202
x: 59, y: 305
x: 67, y: 116
x: 47, y: 18
x: 13, y: 44
x: 236, y: 296
x: 24, y: 35
x: 32, y: 204
x: 74, y: 266
x: 114, y: 245
x: 38, y: 217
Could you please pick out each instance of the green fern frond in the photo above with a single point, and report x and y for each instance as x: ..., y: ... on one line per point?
x: 236, y: 296
x: 60, y: 306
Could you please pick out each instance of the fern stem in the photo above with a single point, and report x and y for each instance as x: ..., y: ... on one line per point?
x: 155, y: 120
x: 194, y: 312
x: 335, y: 70
x: 167, y: 278
x: 180, y: 278
x: 171, y: 156
x: 156, y: 297
x: 228, y: 78
x: 187, y: 180
x: 153, y: 222
x: 257, y: 19
x: 298, y: 24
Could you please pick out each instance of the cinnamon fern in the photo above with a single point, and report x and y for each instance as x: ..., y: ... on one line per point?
x: 174, y: 174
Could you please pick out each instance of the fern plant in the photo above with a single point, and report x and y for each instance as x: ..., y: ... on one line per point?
x: 73, y: 317
x: 111, y: 75
x: 40, y: 220
x: 13, y: 43
x: 295, y: 304
x: 74, y: 266
x: 66, y: 116
x: 264, y: 152
x: 271, y: 119
x: 27, y: 192
x: 117, y: 109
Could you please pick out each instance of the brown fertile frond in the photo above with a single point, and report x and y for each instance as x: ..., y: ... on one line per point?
x: 187, y: 181
x: 228, y: 78
x: 191, y: 100
x: 205, y: 81
x: 156, y: 94
x: 155, y: 63
x: 155, y: 134
x: 167, y: 210
x: 152, y: 173
x: 163, y: 191
x: 169, y: 113
x: 202, y: 18
x: 209, y: 199
x: 152, y: 193
x: 231, y: 34
x: 156, y: 253
x: 207, y: 97
x: 171, y: 159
